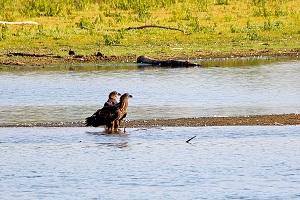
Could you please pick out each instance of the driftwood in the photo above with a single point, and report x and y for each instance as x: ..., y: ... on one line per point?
x: 171, y: 63
x: 18, y: 23
x: 190, y: 139
x: 154, y: 26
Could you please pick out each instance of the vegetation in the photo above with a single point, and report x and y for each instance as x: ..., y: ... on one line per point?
x: 209, y: 26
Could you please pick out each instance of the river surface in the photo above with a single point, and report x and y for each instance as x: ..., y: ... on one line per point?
x: 232, y: 88
x: 246, y: 162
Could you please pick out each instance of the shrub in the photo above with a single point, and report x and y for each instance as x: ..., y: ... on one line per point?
x: 4, y: 31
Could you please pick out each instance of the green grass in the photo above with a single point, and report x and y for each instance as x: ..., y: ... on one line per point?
x: 88, y: 26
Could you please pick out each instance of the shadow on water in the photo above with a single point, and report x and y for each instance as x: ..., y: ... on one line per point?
x: 105, y: 132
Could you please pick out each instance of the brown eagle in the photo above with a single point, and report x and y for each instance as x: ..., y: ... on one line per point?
x: 112, y: 98
x: 110, y: 116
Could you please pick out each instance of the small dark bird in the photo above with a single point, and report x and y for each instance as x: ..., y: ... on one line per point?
x: 99, y: 54
x: 110, y: 116
x: 71, y: 52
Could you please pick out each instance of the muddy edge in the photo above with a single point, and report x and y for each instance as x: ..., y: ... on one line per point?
x: 254, y: 120
x: 45, y: 60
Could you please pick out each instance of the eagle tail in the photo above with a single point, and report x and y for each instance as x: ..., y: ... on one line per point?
x: 91, y: 121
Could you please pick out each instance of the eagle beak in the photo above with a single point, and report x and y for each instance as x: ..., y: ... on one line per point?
x: 119, y: 94
x: 130, y: 96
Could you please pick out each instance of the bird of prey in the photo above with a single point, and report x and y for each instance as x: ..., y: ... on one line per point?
x: 110, y: 116
x: 112, y: 99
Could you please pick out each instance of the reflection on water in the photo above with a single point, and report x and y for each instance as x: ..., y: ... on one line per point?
x: 85, y: 163
x: 253, y: 86
x: 102, y: 133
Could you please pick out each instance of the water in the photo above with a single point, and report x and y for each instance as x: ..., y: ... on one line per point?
x: 59, y: 95
x: 85, y: 163
x: 249, y: 162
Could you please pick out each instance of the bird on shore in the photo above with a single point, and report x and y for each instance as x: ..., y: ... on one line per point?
x: 110, y: 116
x: 71, y: 52
x: 112, y: 98
x: 112, y: 101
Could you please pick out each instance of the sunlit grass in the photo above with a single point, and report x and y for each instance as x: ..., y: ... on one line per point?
x: 209, y: 26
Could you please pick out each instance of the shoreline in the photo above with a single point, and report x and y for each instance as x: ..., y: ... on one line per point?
x: 252, y: 120
x: 23, y: 59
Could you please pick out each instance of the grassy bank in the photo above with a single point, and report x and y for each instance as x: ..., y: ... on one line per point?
x: 205, y: 28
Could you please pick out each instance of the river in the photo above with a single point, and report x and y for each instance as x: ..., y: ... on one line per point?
x: 246, y: 162
x: 234, y: 162
x: 229, y: 89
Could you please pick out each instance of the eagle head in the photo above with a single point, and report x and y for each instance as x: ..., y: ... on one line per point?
x: 125, y: 97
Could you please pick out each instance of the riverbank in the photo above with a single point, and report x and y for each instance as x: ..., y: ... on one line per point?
x: 254, y: 120
x: 124, y: 30
x: 23, y: 59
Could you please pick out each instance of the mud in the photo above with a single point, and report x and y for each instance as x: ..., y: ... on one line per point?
x: 26, y: 59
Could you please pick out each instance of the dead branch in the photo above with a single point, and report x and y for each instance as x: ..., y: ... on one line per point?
x: 190, y: 139
x: 154, y: 26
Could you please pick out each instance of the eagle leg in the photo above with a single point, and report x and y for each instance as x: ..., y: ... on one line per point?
x: 116, y: 125
x: 109, y: 127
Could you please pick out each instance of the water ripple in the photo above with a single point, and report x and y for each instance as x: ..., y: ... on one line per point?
x: 159, y: 93
x: 250, y: 162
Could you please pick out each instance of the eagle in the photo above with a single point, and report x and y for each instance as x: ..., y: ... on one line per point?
x: 112, y: 99
x: 110, y: 116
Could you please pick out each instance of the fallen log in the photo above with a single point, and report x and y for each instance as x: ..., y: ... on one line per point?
x: 171, y: 63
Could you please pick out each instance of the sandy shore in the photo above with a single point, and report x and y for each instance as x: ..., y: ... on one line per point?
x: 261, y: 120
x: 255, y: 120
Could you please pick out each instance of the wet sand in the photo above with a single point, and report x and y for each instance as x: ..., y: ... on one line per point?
x: 254, y: 120
x: 260, y: 120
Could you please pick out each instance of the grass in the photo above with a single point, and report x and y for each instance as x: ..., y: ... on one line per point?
x: 210, y: 27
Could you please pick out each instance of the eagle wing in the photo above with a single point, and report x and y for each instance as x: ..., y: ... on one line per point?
x: 122, y: 117
x: 103, y: 116
x: 108, y: 113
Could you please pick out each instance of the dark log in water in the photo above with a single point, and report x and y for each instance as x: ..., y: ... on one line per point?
x: 171, y: 63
